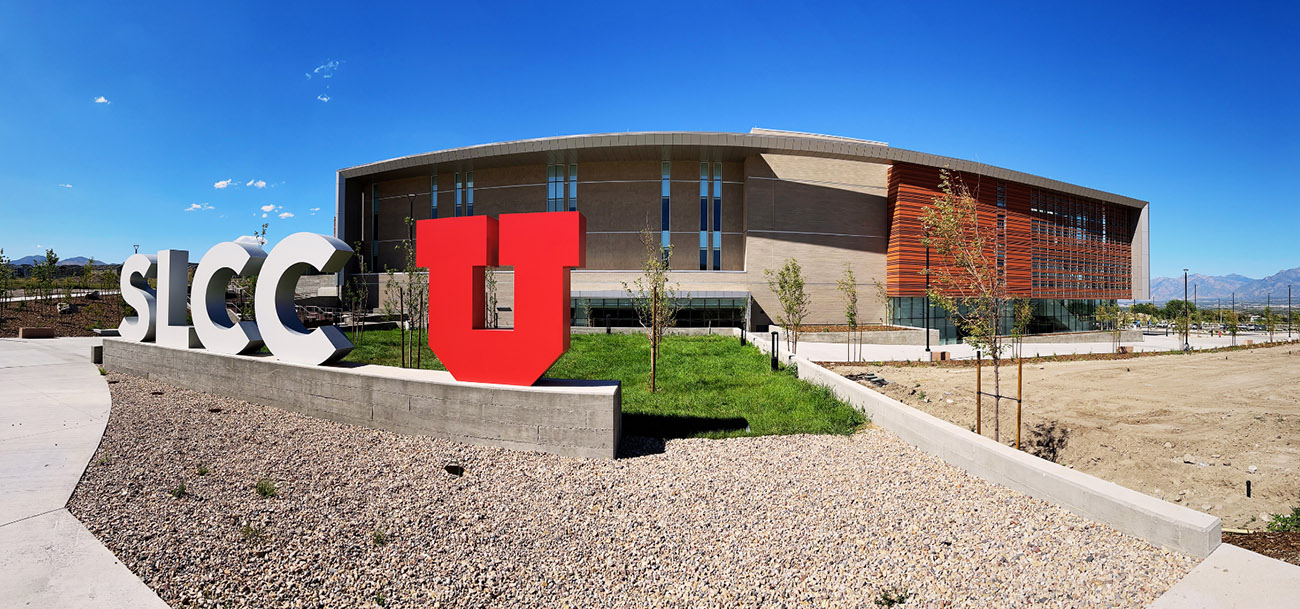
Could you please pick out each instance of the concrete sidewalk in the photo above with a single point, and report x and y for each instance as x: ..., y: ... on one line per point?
x: 54, y: 406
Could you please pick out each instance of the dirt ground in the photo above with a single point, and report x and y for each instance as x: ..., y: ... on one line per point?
x: 1137, y: 422
x: 90, y: 314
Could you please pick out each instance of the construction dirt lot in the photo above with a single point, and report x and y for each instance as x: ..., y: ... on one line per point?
x: 1184, y: 428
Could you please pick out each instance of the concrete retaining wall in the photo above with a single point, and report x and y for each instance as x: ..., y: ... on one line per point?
x: 570, y: 418
x: 1158, y: 522
x: 1128, y: 336
x: 912, y: 336
x: 724, y: 331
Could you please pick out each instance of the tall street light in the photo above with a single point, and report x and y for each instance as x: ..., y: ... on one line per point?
x: 927, y: 292
x: 1187, y: 328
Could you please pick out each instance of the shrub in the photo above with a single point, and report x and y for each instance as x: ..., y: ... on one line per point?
x: 379, y: 537
x: 251, y: 533
x: 1281, y: 523
x: 266, y: 487
x: 892, y: 596
x: 203, y: 470
x: 179, y: 492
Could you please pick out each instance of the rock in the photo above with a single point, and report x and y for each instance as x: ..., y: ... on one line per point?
x: 1206, y: 508
x: 1252, y: 469
x: 1189, y: 459
x: 1169, y: 444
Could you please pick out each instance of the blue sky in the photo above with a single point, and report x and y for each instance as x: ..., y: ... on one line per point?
x: 1194, y: 107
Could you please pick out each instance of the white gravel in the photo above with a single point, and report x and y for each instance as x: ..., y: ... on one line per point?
x: 823, y: 521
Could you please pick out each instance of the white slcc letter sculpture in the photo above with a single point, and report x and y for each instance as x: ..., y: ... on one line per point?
x: 136, y: 273
x: 216, y: 329
x: 161, y: 315
x: 281, y: 329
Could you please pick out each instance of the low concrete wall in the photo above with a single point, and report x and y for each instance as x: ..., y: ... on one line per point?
x: 1127, y: 336
x: 911, y: 336
x: 1158, y: 522
x: 570, y: 418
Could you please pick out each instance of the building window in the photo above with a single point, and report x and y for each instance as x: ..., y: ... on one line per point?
x: 459, y: 192
x: 374, y: 227
x: 433, y: 196
x: 573, y: 187
x: 704, y: 216
x: 665, y: 204
x: 555, y: 188
x: 717, y: 216
x: 465, y: 194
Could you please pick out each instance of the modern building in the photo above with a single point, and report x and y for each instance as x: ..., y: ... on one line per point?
x: 732, y: 205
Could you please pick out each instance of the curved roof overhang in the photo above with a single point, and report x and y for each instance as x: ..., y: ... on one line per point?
x: 666, y: 145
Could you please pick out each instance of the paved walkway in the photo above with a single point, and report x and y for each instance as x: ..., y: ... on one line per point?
x: 54, y: 406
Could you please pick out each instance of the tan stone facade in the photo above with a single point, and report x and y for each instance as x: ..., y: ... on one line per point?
x: 820, y: 200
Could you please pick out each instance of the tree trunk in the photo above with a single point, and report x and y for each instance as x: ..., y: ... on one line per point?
x: 997, y: 393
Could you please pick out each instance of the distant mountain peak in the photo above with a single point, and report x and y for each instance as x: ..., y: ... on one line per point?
x: 1208, y: 288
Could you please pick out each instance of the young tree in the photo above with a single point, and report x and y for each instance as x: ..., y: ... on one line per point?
x: 491, y: 317
x: 45, y: 272
x: 656, y: 302
x: 88, y: 274
x: 357, y: 296
x: 886, y: 303
x: 848, y: 287
x: 6, y: 280
x: 246, y: 287
x: 788, y: 285
x: 968, y: 284
x: 1270, y: 322
x: 1231, y: 324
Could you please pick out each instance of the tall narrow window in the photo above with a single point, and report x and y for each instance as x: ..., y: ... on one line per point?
x: 459, y: 193
x: 374, y: 227
x: 665, y: 196
x: 717, y: 216
x: 555, y: 188
x: 704, y: 216
x: 573, y: 187
x: 433, y: 196
x: 469, y: 194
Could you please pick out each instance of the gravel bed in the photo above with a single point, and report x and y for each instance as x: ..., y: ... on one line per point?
x: 368, y: 518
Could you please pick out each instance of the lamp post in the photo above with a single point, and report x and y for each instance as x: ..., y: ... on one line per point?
x: 1288, y: 312
x: 1187, y: 314
x: 137, y: 248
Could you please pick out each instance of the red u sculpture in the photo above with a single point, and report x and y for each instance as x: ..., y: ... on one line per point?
x: 542, y: 248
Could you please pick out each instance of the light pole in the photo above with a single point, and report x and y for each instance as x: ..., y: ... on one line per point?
x: 1187, y: 314
x: 137, y: 248
x: 1288, y: 312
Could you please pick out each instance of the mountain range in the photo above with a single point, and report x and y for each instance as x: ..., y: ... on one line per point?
x: 74, y: 261
x: 1212, y: 287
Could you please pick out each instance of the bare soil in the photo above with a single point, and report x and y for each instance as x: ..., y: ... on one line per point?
x: 90, y: 314
x: 1138, y: 421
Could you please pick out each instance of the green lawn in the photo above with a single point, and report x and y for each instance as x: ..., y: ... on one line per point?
x: 709, y: 386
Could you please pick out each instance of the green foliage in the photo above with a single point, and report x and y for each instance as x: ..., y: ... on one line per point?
x: 266, y: 487
x: 1145, y: 308
x: 1175, y: 309
x: 788, y: 286
x: 45, y: 272
x: 252, y: 533
x: 892, y: 596
x: 712, y: 386
x: 6, y: 280
x: 1281, y: 523
x: 179, y: 492
x: 203, y: 470
x: 379, y: 538
x: 655, y: 300
x: 102, y: 371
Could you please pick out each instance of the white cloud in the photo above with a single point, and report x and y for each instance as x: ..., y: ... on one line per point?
x: 314, y: 210
x: 66, y: 185
x: 223, y: 184
x: 326, y: 70
x: 324, y: 98
x: 263, y: 215
x: 199, y: 207
x: 269, y: 207
x: 286, y: 215
x: 255, y: 183
x: 102, y: 100
x: 251, y: 240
